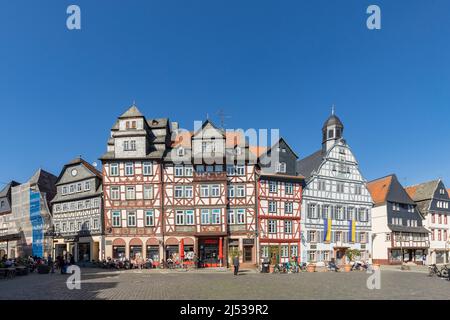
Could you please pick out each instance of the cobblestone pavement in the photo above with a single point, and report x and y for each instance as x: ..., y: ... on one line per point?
x: 222, y: 285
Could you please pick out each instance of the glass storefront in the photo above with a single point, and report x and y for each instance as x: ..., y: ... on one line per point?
x: 84, y: 252
x: 172, y: 252
x: 153, y: 253
x: 118, y: 252
x: 209, y: 251
x: 135, y: 252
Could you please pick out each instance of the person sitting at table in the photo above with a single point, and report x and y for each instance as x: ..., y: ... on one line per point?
x: 9, y: 263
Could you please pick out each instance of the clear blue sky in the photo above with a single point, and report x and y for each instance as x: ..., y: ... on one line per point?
x: 268, y: 64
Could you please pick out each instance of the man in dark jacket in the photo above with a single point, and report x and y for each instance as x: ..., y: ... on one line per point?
x: 236, y: 265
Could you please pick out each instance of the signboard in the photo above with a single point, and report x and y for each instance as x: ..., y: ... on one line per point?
x: 37, y: 224
x: 248, y: 242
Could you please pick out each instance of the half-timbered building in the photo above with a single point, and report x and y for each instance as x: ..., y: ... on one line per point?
x: 433, y: 202
x: 279, y: 204
x: 336, y: 208
x: 78, y: 212
x: 398, y: 231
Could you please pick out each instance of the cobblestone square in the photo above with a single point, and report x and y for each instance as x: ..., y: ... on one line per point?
x: 222, y: 285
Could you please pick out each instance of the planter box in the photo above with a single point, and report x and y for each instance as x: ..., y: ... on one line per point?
x: 311, y: 268
x: 347, y: 267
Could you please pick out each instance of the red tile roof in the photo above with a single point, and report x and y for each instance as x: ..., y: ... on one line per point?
x: 379, y: 189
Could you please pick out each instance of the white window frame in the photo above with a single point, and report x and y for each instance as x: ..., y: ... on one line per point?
x: 116, y: 217
x: 131, y: 217
x: 147, y: 168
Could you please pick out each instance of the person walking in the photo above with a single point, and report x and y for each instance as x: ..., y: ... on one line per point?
x: 236, y: 265
x: 50, y: 263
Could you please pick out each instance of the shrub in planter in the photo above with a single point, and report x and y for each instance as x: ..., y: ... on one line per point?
x: 311, y: 267
x: 43, y: 269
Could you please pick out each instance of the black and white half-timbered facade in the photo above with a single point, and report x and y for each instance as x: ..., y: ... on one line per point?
x: 336, y: 206
x: 78, y: 212
x: 398, y: 231
x: 433, y: 202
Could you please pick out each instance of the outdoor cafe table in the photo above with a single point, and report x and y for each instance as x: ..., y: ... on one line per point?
x: 21, y: 270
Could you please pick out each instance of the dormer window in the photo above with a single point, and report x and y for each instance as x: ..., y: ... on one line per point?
x: 238, y: 150
x: 130, y: 125
x: 442, y: 191
x: 281, y: 167
x: 129, y: 145
x: 180, y: 151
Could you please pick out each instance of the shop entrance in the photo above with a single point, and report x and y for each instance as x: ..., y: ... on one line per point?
x: 209, y: 252
x: 84, y: 252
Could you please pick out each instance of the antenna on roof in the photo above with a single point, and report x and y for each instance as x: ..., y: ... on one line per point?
x: 222, y: 116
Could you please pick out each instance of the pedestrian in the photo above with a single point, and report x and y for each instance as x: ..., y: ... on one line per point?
x: 50, y: 263
x: 424, y: 259
x: 236, y: 265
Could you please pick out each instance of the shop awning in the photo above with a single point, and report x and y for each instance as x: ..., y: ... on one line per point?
x: 10, y: 237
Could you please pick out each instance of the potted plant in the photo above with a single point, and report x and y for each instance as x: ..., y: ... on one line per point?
x: 311, y: 267
x: 351, y: 255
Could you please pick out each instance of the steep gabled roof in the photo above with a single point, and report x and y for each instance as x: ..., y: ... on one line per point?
x: 388, y: 189
x: 7, y: 189
x: 379, y: 189
x: 311, y: 163
x: 77, y: 161
x: 423, y: 191
x: 132, y: 112
x: 277, y: 144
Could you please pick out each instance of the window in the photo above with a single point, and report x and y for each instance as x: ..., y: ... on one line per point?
x: 96, y: 203
x: 148, y: 192
x: 339, y: 213
x: 129, y: 170
x: 188, y: 192
x: 313, y: 254
x: 363, y: 215
x: 79, y: 187
x: 64, y: 191
x: 432, y: 234
x: 129, y: 145
x: 131, y: 219
x: 321, y: 185
x: 241, y: 216
x: 179, y: 171
x: 289, y: 188
x: 215, y: 190
x: 231, y: 193
x: 204, y: 190
x: 358, y: 189
x: 87, y: 186
x: 294, y: 250
x: 439, y: 235
x: 272, y: 226
x: 240, y: 170
x: 147, y: 168
x: 395, y: 206
x: 363, y: 237
x: 178, y: 191
x: 311, y: 211
x: 205, y: 216
x: 272, y: 206
x: 131, y: 193
x: 312, y: 236
x: 272, y: 187
x: 114, y: 169
x: 433, y: 218
x: 240, y: 191
x: 179, y: 219
x: 72, y: 188
x: 442, y: 191
x: 445, y: 235
x: 230, y: 170
x: 325, y: 211
x: 95, y: 225
x: 440, y: 219
x: 340, y: 188
x: 231, y: 216
x: 287, y: 226
x: 388, y: 237
x: 411, y: 208
x: 215, y: 216
x: 284, y: 251
x: 188, y: 171
x: 288, y: 207
x: 281, y: 167
x: 180, y: 152
x: 116, y: 221
x: 189, y: 215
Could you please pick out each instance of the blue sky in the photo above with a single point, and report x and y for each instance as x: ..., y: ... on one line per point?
x: 267, y: 64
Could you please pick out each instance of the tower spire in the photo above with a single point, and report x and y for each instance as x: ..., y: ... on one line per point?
x: 332, y: 109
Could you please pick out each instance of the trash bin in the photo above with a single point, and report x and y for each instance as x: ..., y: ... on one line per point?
x: 265, y: 267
